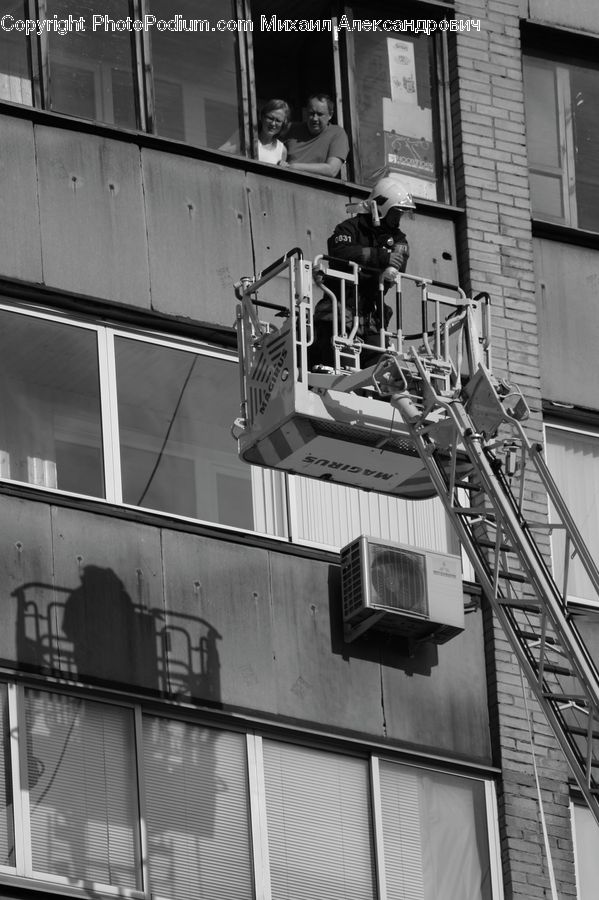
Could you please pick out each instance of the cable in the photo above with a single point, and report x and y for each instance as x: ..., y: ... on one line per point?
x: 168, y: 432
x: 554, y: 893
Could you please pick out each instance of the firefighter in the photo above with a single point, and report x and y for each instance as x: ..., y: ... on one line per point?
x: 374, y: 240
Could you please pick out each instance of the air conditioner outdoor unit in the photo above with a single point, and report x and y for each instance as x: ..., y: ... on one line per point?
x: 416, y: 594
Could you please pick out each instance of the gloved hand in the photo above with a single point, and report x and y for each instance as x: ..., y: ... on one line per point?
x: 398, y: 257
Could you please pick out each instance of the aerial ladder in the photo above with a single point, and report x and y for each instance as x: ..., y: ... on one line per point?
x: 428, y: 418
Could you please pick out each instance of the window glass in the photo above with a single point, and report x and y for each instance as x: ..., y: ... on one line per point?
x: 291, y: 65
x: 7, y: 834
x: 319, y: 824
x: 175, y: 415
x: 562, y: 102
x: 573, y: 458
x: 435, y: 834
x: 586, y: 841
x: 195, y: 75
x: 197, y: 812
x: 81, y: 776
x: 15, y: 74
x: 395, y: 110
x: 91, y: 72
x: 584, y: 87
x: 50, y: 431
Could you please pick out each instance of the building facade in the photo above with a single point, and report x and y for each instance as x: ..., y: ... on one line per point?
x: 182, y: 717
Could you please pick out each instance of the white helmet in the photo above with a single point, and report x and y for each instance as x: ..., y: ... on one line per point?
x: 388, y: 193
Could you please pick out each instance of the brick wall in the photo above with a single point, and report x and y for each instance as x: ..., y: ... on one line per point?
x: 496, y: 254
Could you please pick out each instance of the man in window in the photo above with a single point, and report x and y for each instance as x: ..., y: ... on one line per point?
x: 317, y: 146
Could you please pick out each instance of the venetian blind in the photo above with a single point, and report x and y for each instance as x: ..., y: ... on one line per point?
x: 435, y: 835
x: 319, y: 824
x: 197, y: 812
x: 81, y: 776
x: 333, y: 514
x: 7, y: 839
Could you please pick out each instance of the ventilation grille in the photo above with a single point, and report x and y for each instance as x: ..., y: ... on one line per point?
x: 268, y: 364
x: 378, y: 576
x: 398, y: 579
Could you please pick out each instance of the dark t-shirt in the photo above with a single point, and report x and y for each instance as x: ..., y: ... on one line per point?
x: 304, y: 147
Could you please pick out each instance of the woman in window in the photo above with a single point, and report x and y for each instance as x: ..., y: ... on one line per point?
x: 274, y: 120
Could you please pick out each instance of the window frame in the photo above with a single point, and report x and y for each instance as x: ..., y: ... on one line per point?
x: 22, y: 874
x: 550, y: 59
x: 576, y: 602
x: 106, y: 332
x: 247, y: 113
x: 280, y: 504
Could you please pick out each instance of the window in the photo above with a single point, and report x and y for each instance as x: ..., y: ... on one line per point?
x: 573, y: 457
x: 120, y: 801
x: 91, y: 72
x: 15, y: 68
x: 562, y: 104
x: 201, y: 75
x: 319, y: 824
x: 395, y: 106
x: 139, y: 421
x: 144, y: 420
x: 197, y: 811
x: 196, y: 92
x: 586, y: 839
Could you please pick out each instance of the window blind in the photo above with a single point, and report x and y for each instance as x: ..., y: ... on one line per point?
x: 319, y: 824
x: 82, y: 790
x: 334, y: 514
x: 435, y: 835
x: 197, y: 812
x: 7, y: 835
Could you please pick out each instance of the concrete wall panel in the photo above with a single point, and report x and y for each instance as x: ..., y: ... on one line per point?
x: 218, y: 622
x: 92, y: 216
x: 29, y: 616
x: 109, y: 576
x: 20, y: 246
x: 582, y: 15
x: 199, y: 236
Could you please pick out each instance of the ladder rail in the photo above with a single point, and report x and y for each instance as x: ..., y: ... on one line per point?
x: 568, y: 695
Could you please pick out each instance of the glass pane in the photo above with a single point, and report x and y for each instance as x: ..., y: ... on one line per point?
x: 195, y: 74
x: 395, y: 110
x: 585, y: 106
x: 319, y: 824
x: 50, y: 425
x: 7, y: 834
x: 540, y: 98
x: 435, y: 835
x: 91, y: 70
x: 574, y: 461
x: 175, y: 415
x: 546, y: 195
x: 15, y: 73
x: 82, y: 780
x: 197, y: 812
x: 587, y: 860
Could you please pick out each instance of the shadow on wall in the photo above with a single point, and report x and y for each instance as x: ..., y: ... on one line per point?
x: 98, y: 634
x: 81, y: 753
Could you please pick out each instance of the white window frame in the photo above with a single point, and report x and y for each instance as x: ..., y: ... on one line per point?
x: 106, y: 333
x: 580, y: 602
x: 256, y: 796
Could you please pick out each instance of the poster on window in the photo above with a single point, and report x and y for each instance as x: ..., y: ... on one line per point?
x: 408, y: 126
